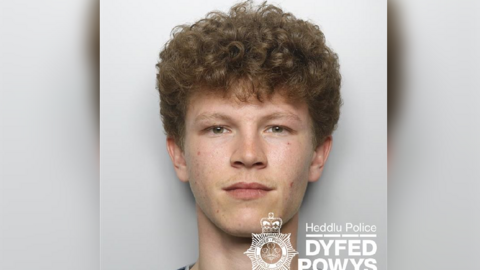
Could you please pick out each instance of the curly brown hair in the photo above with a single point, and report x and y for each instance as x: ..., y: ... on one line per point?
x: 271, y: 50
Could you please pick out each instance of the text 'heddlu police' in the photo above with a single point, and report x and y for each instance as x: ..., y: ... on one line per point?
x: 337, y: 249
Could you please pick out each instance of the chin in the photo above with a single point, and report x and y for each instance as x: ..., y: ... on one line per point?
x: 243, y: 222
x: 239, y: 232
x: 242, y: 230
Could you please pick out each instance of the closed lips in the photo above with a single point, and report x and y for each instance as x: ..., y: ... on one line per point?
x: 243, y: 185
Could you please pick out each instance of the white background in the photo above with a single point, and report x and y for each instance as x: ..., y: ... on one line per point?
x: 434, y: 181
x: 49, y: 178
x: 147, y: 215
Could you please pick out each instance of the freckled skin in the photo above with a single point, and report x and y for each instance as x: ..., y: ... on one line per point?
x: 247, y: 151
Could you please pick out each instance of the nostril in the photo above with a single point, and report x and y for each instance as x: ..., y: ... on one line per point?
x: 242, y: 164
x: 259, y: 164
x: 238, y: 163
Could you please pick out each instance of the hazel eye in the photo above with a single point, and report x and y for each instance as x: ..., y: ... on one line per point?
x: 277, y: 129
x: 218, y: 130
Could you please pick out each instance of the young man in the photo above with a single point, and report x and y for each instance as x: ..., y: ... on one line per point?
x: 249, y: 101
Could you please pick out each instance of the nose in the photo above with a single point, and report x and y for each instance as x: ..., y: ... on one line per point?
x: 249, y: 153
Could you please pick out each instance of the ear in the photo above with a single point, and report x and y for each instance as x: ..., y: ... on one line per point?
x: 319, y: 158
x: 178, y: 159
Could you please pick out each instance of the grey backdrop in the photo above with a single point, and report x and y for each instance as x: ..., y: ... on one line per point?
x: 147, y: 216
x: 49, y: 178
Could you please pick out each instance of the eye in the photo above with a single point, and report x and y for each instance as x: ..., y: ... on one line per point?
x: 276, y: 129
x: 218, y: 129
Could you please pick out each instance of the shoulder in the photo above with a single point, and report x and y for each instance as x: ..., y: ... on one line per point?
x: 188, y: 267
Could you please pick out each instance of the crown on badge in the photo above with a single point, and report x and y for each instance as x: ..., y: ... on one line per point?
x: 271, y: 224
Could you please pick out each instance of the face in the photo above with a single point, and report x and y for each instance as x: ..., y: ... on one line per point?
x: 246, y: 159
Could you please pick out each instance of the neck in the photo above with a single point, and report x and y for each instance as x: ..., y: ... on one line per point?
x: 219, y: 250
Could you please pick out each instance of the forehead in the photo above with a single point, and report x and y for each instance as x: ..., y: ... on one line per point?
x: 211, y: 105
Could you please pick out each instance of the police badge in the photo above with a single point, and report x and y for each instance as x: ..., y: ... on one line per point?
x: 271, y: 249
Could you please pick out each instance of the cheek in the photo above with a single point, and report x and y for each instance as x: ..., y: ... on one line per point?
x: 293, y: 160
x: 201, y: 178
x: 203, y: 164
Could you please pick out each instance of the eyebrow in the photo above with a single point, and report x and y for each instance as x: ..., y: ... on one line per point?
x: 279, y: 115
x: 212, y: 116
x: 221, y: 116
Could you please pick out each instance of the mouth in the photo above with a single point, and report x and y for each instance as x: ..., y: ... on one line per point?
x: 247, y: 191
